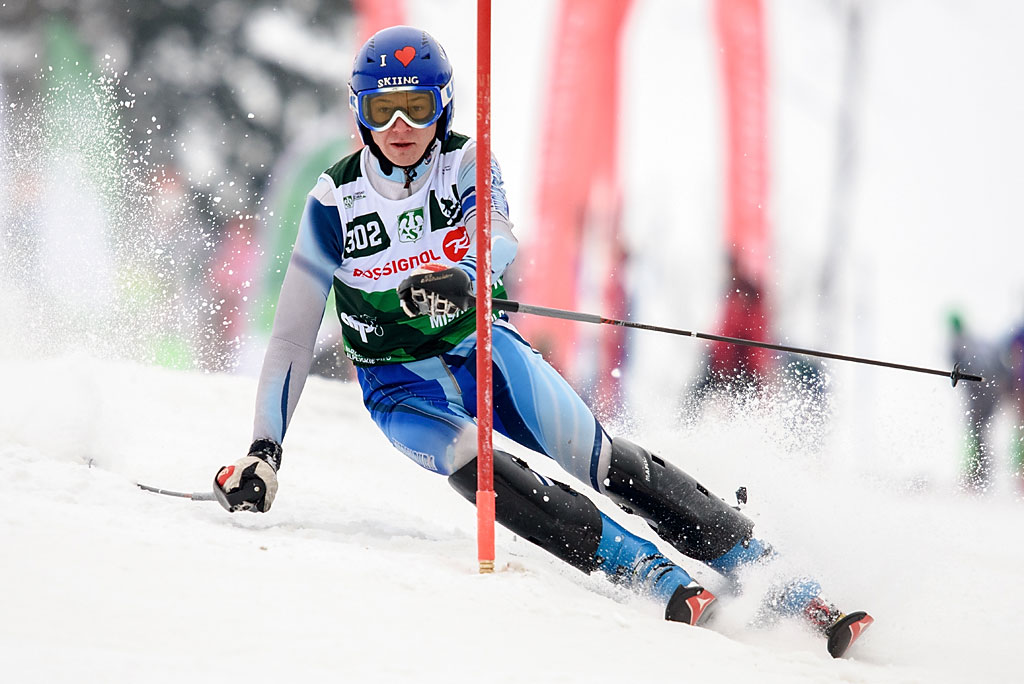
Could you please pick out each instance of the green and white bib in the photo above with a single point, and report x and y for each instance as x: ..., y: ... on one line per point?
x: 383, y: 242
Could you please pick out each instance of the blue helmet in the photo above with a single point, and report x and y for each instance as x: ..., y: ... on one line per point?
x: 402, y: 72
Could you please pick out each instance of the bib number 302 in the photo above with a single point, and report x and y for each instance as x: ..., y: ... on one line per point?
x: 365, y: 235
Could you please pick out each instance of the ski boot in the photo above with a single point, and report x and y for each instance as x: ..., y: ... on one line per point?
x: 840, y: 629
x: 636, y: 563
x: 800, y: 598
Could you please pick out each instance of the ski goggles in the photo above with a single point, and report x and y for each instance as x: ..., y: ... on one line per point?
x: 418, y: 106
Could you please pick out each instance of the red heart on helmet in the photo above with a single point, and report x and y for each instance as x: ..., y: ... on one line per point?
x: 405, y: 55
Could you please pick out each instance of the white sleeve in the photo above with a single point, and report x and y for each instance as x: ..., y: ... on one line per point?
x: 300, y: 310
x: 504, y: 244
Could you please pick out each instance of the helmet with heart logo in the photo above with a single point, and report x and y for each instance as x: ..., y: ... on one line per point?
x: 402, y: 73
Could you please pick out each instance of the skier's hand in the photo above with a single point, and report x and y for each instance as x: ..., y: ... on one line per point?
x: 251, y: 483
x: 435, y: 290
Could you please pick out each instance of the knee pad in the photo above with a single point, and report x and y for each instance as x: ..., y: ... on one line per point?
x: 682, y: 511
x: 550, y: 514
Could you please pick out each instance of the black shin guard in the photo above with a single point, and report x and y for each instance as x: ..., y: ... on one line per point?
x: 548, y: 513
x: 678, y: 507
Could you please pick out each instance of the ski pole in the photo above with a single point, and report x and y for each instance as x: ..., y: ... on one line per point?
x: 517, y: 307
x: 195, y: 496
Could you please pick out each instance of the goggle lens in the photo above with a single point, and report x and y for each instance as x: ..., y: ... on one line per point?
x: 419, y: 108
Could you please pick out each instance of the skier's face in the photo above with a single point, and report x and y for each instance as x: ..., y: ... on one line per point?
x: 402, y: 144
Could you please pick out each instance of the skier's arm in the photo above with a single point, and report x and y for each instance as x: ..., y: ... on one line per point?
x: 503, y: 242
x: 300, y: 310
x: 251, y: 483
x: 443, y: 291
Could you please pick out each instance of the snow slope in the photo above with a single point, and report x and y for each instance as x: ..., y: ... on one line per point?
x: 365, y: 569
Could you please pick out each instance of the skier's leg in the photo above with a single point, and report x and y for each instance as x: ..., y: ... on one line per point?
x: 569, y: 526
x: 534, y: 405
x: 691, y: 518
x: 537, y: 408
x: 683, y: 511
x: 417, y: 406
x: 703, y: 526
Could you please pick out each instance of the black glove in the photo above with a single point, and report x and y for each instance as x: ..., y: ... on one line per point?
x: 251, y: 483
x: 436, y: 291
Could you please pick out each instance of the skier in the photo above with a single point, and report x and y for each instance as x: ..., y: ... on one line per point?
x: 392, y: 229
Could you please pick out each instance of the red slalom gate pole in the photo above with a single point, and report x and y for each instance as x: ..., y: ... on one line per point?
x: 484, y: 386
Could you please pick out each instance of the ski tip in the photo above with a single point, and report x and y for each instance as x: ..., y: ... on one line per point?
x: 847, y: 630
x: 692, y: 605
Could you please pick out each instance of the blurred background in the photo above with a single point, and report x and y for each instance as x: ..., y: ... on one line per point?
x: 833, y: 174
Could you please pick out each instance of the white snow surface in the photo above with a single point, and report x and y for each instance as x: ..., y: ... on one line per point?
x: 365, y: 569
